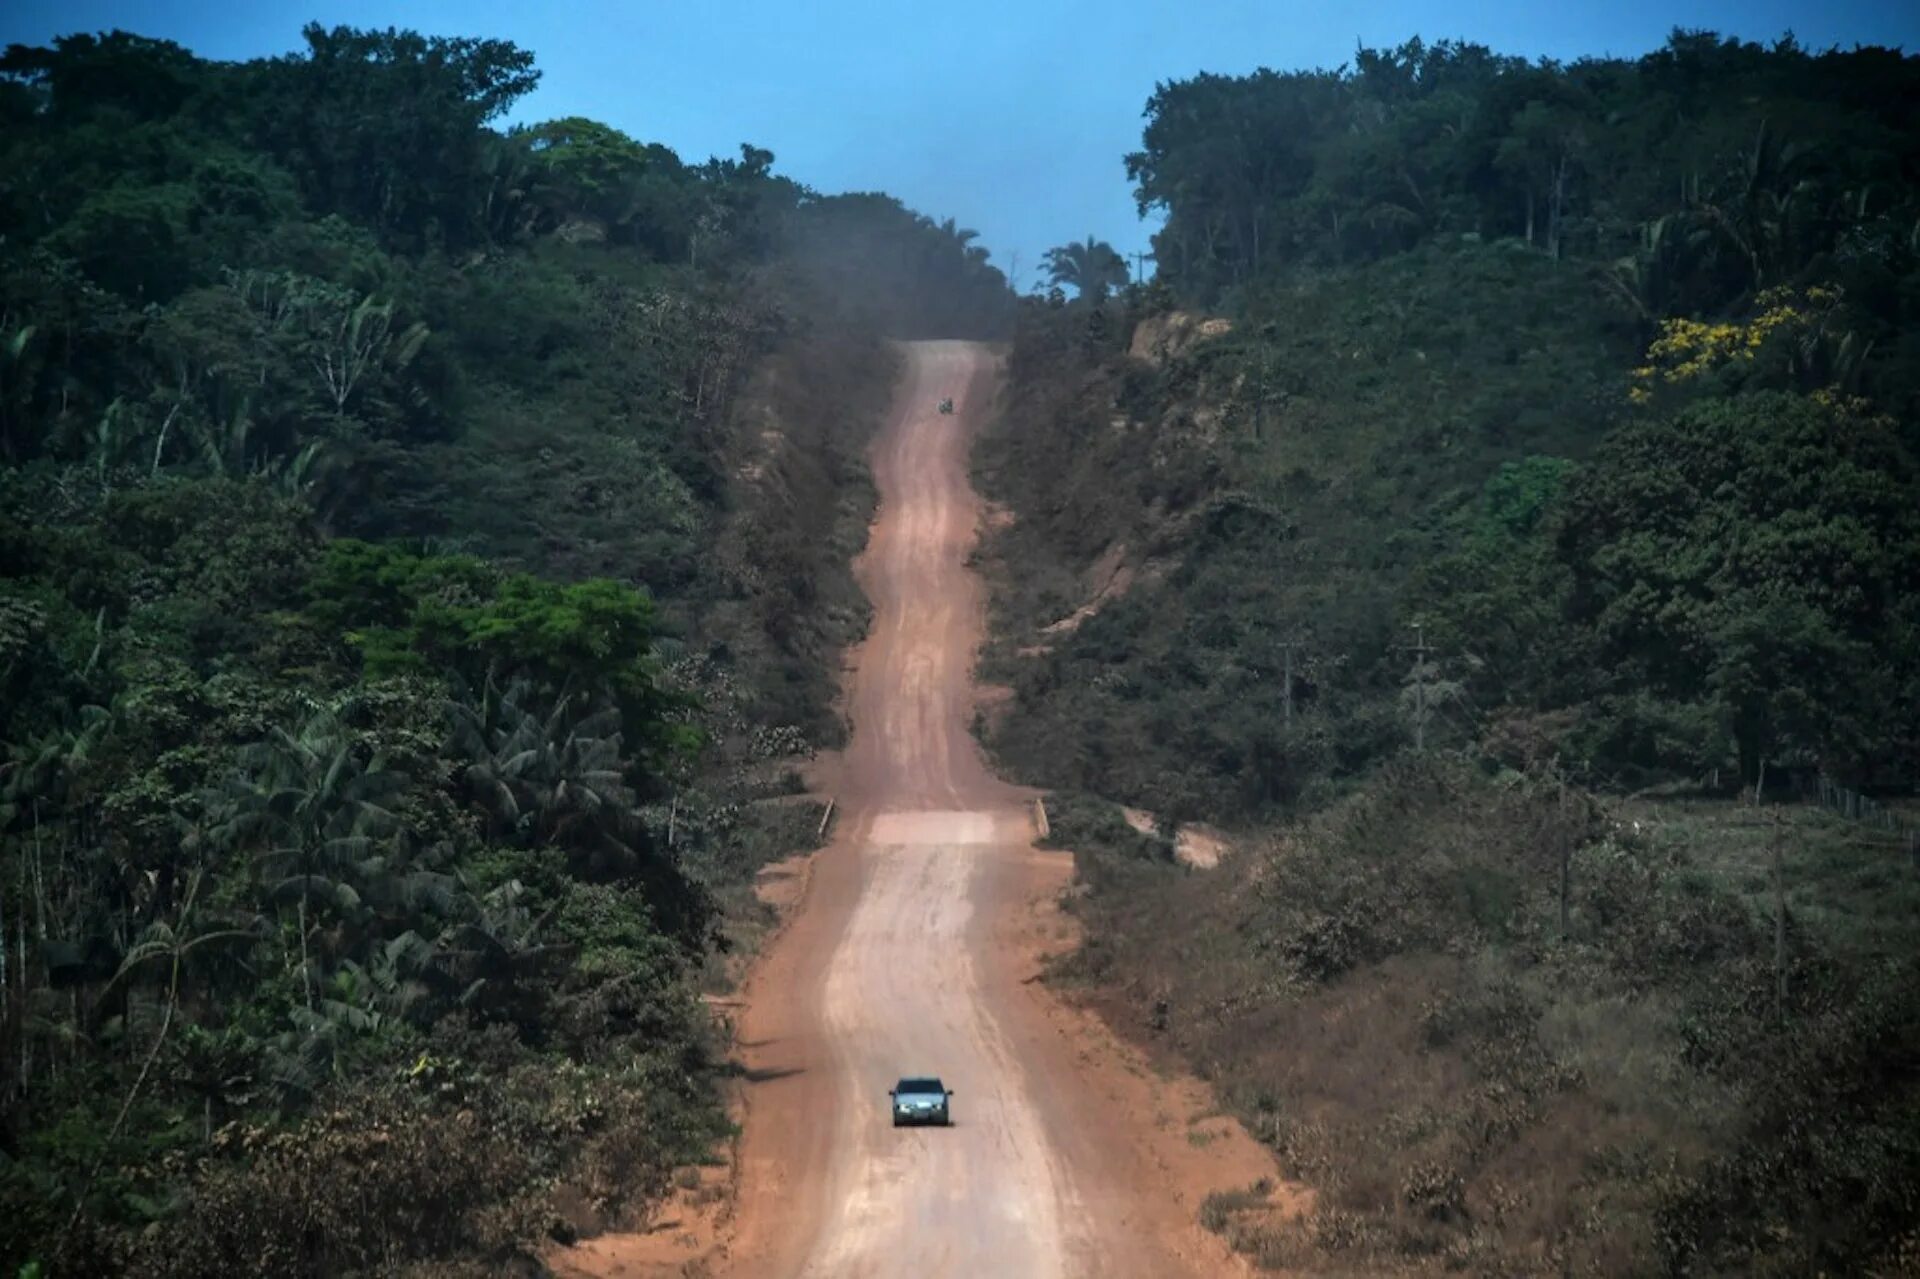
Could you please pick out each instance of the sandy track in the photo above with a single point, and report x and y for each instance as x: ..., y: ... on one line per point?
x: 914, y: 951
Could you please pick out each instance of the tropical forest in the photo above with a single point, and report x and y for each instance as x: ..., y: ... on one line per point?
x: 423, y: 543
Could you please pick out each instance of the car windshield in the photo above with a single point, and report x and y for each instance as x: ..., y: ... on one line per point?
x: 919, y: 1086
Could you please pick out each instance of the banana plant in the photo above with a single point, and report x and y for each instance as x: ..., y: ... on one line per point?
x: 500, y: 966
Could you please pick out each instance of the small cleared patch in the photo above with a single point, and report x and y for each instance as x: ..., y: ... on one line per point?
x: 1199, y: 847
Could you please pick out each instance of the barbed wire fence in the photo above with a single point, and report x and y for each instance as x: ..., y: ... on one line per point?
x: 1855, y: 806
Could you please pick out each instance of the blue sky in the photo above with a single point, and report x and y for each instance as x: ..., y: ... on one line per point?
x: 1011, y: 117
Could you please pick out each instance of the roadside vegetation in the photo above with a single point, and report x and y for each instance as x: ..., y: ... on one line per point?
x: 1501, y: 509
x: 422, y: 548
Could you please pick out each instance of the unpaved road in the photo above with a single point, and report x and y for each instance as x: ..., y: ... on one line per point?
x: 912, y: 956
x: 914, y: 951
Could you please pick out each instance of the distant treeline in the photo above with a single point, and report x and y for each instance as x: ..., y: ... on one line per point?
x: 1692, y: 178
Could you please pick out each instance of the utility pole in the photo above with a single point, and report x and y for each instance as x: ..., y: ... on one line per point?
x: 1140, y: 257
x: 1418, y: 682
x: 1263, y: 382
x: 1260, y: 400
x: 1287, y: 647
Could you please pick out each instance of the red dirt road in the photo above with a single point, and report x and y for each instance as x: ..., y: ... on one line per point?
x: 914, y: 951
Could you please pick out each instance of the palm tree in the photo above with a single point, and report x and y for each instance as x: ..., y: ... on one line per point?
x: 1091, y: 267
x: 19, y: 374
x: 47, y: 768
x: 312, y: 812
x: 1761, y: 208
x: 559, y: 780
x: 509, y: 202
x: 357, y: 1000
x: 963, y: 236
x: 556, y: 779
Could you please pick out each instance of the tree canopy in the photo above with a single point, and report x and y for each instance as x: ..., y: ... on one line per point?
x: 1690, y: 180
x: 1758, y: 557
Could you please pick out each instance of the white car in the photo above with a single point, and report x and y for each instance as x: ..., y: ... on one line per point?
x: 921, y: 1099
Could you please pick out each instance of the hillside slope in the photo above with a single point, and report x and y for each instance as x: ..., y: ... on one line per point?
x: 1536, y: 600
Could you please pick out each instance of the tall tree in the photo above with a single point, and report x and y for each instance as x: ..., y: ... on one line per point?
x: 387, y: 126
x: 1090, y: 267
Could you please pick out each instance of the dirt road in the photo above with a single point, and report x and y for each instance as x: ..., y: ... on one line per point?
x: 914, y: 953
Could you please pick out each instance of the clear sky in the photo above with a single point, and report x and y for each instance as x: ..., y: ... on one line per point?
x: 1010, y: 115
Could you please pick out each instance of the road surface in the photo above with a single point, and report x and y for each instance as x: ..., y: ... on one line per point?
x: 914, y: 952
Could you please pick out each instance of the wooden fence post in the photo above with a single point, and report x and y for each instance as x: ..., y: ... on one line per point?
x: 1779, y: 926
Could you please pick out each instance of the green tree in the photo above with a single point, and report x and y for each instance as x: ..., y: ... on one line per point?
x: 116, y: 73
x: 1761, y: 552
x: 312, y: 809
x: 1542, y: 152
x: 386, y: 126
x: 583, y: 168
x: 1090, y: 267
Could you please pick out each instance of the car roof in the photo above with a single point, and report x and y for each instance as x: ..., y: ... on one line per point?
x: 919, y: 1083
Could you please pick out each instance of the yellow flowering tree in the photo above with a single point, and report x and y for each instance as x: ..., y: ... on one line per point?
x: 1793, y: 337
